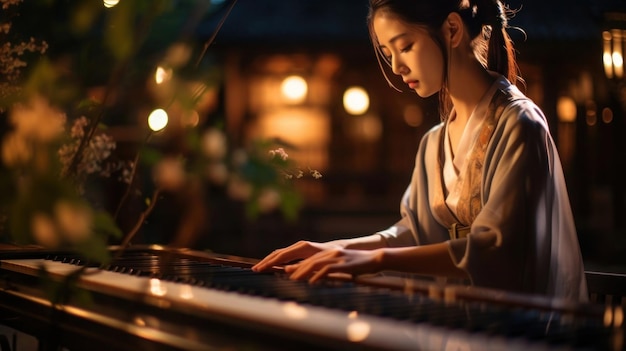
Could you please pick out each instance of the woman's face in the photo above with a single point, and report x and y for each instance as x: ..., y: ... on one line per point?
x: 413, y: 54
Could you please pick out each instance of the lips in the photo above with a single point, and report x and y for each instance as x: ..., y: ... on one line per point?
x: 411, y: 83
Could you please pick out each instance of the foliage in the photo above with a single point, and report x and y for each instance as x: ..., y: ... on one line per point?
x: 92, y: 68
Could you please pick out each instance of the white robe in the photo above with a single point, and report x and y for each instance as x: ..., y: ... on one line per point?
x: 524, y: 238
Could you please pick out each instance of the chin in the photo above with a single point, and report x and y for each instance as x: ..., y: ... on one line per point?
x: 424, y: 93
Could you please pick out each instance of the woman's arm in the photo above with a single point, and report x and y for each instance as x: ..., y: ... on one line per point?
x: 433, y: 259
x: 370, y: 242
x: 304, y: 249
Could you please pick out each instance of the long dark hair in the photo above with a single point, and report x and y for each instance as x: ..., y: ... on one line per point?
x: 486, y: 21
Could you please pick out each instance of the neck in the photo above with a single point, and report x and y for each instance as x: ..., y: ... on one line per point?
x: 468, y: 81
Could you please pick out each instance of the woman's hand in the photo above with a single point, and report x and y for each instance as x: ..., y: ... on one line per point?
x: 299, y: 250
x: 336, y: 260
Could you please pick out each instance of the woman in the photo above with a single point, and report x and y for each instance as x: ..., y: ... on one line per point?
x: 487, y: 200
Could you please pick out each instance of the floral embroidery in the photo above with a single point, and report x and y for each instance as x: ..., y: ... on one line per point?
x: 470, y: 182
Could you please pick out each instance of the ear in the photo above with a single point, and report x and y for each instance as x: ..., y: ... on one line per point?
x: 454, y: 29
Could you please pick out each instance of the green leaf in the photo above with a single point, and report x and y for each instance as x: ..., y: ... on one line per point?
x: 150, y: 156
x: 291, y: 203
x: 84, y: 16
x: 94, y: 249
x: 105, y: 225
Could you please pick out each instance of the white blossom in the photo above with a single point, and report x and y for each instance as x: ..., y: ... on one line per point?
x: 96, y: 155
x: 78, y: 127
x: 315, y: 174
x: 280, y: 152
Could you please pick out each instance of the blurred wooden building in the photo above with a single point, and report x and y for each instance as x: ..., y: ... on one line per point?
x: 367, y: 156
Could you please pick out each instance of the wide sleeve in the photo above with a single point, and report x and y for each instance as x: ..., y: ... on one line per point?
x: 417, y: 225
x: 401, y: 234
x: 525, y: 212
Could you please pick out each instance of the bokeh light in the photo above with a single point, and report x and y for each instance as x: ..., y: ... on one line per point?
x: 157, y: 120
x: 110, y: 3
x: 294, y: 89
x: 356, y: 101
x: 162, y: 74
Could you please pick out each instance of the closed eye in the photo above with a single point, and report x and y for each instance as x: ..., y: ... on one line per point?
x: 407, y: 48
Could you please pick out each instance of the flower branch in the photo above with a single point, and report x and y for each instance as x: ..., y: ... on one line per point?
x: 142, y: 217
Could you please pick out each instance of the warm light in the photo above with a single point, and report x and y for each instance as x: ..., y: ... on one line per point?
x: 191, y: 119
x: 616, y: 56
x: 307, y: 129
x: 591, y: 120
x: 613, y: 53
x: 618, y: 316
x: 607, y: 115
x: 566, y: 109
x: 110, y: 3
x: 367, y: 127
x: 157, y: 119
x: 178, y: 54
x: 295, y: 126
x: 140, y: 322
x: 162, y: 74
x: 156, y: 288
x: 356, y: 101
x: 186, y: 292
x: 608, y: 316
x: 413, y: 115
x: 358, y: 331
x: 294, y: 89
x: 295, y: 311
x: 606, y: 56
x: 613, y: 316
x: 618, y: 63
x: 591, y: 114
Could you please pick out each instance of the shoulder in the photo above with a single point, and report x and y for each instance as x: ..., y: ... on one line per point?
x: 432, y: 135
x: 521, y: 113
x: 429, y: 143
x: 436, y: 129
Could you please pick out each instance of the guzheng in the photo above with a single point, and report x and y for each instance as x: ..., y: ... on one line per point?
x: 155, y: 298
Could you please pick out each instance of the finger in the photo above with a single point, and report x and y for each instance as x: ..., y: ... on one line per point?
x: 291, y: 268
x: 267, y: 262
x: 299, y: 250
x: 274, y: 258
x: 308, y: 267
x: 322, y: 273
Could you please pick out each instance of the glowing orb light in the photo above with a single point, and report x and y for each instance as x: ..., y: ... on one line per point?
x: 157, y: 120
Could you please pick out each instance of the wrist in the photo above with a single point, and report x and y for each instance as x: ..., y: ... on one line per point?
x: 370, y: 242
x: 381, y: 257
x: 340, y: 243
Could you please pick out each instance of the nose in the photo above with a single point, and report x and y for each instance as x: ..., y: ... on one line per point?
x: 398, y: 67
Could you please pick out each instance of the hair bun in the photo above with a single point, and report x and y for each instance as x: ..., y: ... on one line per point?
x: 490, y: 12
